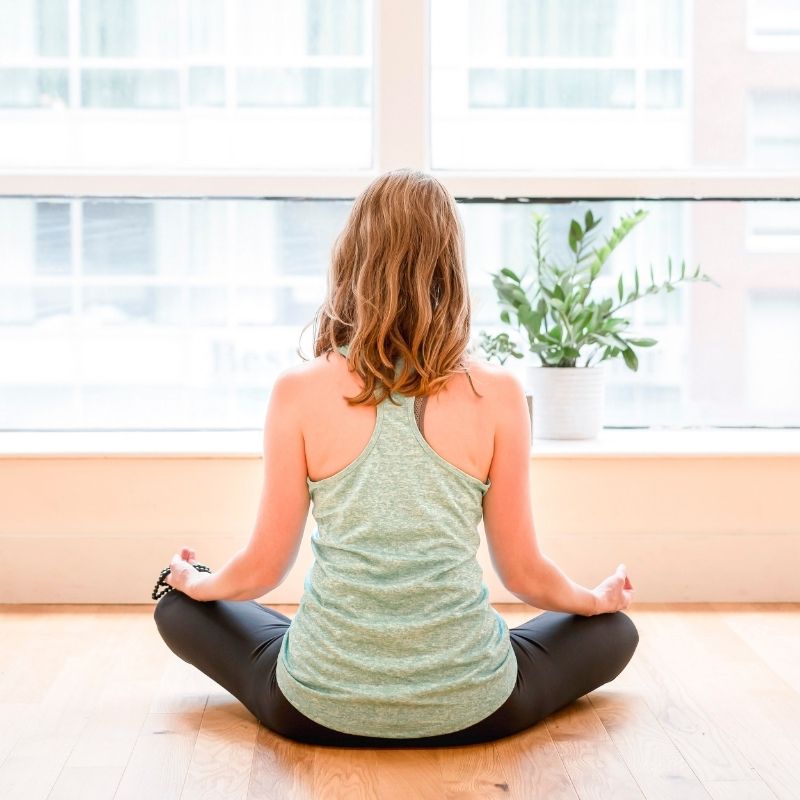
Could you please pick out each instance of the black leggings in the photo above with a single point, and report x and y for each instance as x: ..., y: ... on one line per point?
x: 560, y: 657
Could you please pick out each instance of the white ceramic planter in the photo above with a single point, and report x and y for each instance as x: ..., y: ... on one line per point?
x: 567, y: 402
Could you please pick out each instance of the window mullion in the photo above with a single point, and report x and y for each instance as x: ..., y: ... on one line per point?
x: 401, y: 105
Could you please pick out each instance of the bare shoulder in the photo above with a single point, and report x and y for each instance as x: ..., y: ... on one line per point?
x: 297, y: 380
x: 311, y: 379
x: 493, y: 380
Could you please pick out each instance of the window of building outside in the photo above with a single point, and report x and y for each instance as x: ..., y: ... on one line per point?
x: 178, y: 313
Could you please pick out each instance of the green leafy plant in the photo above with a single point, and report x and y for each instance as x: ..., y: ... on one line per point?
x: 555, y: 308
x: 499, y: 347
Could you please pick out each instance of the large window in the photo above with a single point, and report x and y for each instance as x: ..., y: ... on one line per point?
x: 562, y: 83
x: 177, y: 84
x: 615, y: 84
x: 173, y: 175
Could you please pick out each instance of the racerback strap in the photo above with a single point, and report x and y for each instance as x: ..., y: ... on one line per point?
x: 420, y: 402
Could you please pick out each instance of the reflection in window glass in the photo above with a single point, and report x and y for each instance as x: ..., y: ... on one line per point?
x: 189, y: 66
x: 172, y: 314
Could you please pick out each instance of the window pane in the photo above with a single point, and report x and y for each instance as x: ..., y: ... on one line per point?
x: 774, y: 24
x: 331, y: 31
x: 31, y: 28
x: 33, y: 88
x: 718, y: 347
x: 586, y: 27
x: 39, y: 306
x: 118, y: 88
x: 303, y: 87
x: 664, y: 22
x: 207, y: 27
x: 53, y: 238
x: 610, y: 85
x: 664, y: 88
x: 174, y: 314
x: 206, y: 86
x: 118, y: 238
x: 542, y: 88
x: 774, y: 129
x: 245, y: 84
x: 133, y: 28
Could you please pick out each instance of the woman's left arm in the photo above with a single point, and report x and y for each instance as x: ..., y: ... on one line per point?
x: 262, y: 564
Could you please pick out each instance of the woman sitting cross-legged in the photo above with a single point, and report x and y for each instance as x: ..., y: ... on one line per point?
x: 403, y: 442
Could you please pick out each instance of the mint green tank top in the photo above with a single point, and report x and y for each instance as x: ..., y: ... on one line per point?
x: 394, y: 635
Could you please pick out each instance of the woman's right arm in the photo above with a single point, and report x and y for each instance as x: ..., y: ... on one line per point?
x: 525, y: 571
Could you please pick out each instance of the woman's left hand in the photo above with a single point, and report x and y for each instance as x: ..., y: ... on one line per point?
x: 182, y: 575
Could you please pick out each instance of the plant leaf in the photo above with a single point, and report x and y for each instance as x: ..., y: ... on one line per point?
x: 575, y: 235
x: 631, y: 360
x: 620, y: 231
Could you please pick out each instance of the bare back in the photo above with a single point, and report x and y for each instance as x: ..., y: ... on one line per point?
x: 458, y: 425
x: 486, y: 437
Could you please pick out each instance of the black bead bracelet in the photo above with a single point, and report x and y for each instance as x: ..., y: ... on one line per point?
x: 161, y: 583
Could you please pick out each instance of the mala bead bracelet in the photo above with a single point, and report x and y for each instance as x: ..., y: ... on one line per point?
x: 163, y: 587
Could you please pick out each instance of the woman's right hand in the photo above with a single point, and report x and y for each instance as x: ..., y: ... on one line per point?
x: 614, y: 593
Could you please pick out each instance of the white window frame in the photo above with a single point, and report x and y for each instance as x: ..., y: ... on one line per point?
x: 401, y: 117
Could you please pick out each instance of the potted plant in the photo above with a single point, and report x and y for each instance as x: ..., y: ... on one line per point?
x: 564, y: 322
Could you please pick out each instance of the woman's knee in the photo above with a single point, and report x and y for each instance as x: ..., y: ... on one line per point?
x: 627, y: 634
x: 622, y: 638
x: 172, y: 618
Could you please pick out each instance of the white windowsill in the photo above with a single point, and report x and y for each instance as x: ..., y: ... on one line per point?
x: 612, y: 442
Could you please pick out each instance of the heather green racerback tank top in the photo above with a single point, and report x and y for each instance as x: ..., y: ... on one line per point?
x: 394, y: 635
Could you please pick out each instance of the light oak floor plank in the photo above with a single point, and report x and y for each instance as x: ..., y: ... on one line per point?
x: 593, y: 762
x: 93, y: 706
x: 747, y: 701
x: 223, y: 753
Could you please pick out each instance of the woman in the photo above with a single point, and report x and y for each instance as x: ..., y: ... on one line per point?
x: 391, y: 430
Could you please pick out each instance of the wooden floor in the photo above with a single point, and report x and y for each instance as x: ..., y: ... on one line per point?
x: 93, y: 705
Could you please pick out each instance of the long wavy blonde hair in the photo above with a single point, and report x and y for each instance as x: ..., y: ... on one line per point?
x: 397, y: 287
